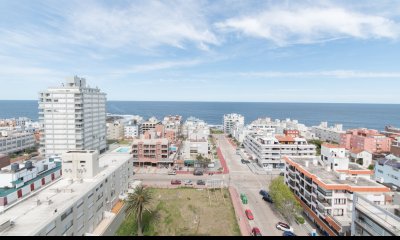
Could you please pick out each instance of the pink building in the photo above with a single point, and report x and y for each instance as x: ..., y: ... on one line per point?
x: 365, y: 139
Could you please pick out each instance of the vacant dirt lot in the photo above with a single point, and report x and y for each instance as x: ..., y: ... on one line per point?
x: 186, y: 212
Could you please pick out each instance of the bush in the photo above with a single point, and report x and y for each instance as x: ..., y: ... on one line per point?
x: 300, y: 219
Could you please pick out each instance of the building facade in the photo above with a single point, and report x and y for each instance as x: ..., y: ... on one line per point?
x: 151, y: 152
x: 268, y: 151
x: 370, y: 219
x: 232, y: 120
x: 72, y: 206
x: 115, y: 131
x: 388, y: 171
x: 326, y: 195
x: 13, y: 141
x: 328, y: 134
x: 73, y: 118
x: 366, y: 139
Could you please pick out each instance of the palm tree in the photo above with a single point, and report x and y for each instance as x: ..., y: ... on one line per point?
x: 136, y: 204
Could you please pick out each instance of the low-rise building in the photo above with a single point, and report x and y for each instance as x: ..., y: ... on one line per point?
x: 366, y: 139
x: 326, y: 195
x: 12, y: 141
x: 148, y: 125
x: 115, y: 130
x: 268, y: 151
x: 328, y: 134
x: 131, y: 131
x: 76, y: 205
x: 370, y: 219
x: 195, y: 129
x: 151, y: 152
x: 192, y: 148
x: 18, y: 180
x: 388, y: 171
x: 362, y: 157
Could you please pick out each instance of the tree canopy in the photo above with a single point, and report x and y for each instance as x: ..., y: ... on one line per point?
x: 284, y: 199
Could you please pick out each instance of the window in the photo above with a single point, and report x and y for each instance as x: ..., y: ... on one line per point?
x: 80, y: 203
x: 68, y: 226
x: 90, y: 195
x: 66, y: 214
x: 50, y: 228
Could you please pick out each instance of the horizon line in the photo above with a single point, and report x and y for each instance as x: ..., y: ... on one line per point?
x: 197, y: 101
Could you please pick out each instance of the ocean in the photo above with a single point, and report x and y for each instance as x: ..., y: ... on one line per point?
x: 375, y: 116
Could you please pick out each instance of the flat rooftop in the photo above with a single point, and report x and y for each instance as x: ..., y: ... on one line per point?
x: 29, y: 217
x: 332, y: 177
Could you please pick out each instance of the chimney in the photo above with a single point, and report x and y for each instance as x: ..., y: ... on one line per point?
x: 307, y: 164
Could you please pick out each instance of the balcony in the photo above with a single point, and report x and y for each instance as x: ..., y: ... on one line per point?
x: 292, y: 175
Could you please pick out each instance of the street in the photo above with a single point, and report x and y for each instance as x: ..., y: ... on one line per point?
x: 243, y: 180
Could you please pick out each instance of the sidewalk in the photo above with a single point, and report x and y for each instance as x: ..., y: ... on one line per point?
x: 244, y: 225
x: 222, y: 160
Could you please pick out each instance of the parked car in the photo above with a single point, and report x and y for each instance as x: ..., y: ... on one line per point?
x: 198, y: 173
x: 249, y: 214
x: 256, y: 232
x: 211, y: 165
x: 289, y: 234
x: 245, y: 161
x: 268, y: 199
x: 282, y: 174
x: 284, y: 227
x: 264, y: 193
x: 188, y: 183
x: 176, y: 182
x: 201, y: 182
x: 172, y: 172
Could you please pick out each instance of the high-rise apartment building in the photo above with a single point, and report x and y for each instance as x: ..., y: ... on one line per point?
x: 73, y: 117
x: 231, y: 121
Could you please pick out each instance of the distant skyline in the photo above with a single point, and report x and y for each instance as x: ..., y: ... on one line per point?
x: 227, y: 51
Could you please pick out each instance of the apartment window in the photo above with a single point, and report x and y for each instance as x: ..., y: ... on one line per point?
x: 80, y: 204
x: 99, y: 207
x: 68, y: 226
x: 66, y: 214
x: 90, y: 195
x: 50, y: 228
x: 338, y: 212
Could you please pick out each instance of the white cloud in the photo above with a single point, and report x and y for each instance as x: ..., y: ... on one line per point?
x: 330, y: 74
x: 284, y: 26
x: 145, y: 24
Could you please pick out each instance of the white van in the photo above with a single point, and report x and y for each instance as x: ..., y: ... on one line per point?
x: 211, y: 165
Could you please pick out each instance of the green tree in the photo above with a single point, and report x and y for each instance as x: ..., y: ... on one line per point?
x: 284, y: 199
x: 318, y: 144
x: 137, y: 202
x: 371, y: 167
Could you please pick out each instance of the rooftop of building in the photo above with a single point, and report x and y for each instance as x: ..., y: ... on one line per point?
x: 382, y: 214
x: 330, y: 145
x: 151, y: 141
x: 6, y: 191
x: 395, y: 163
x: 29, y: 217
x: 332, y: 177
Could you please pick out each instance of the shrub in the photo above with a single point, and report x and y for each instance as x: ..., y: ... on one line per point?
x: 300, y: 219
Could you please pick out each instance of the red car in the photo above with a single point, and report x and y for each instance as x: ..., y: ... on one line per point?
x: 176, y: 182
x: 249, y: 214
x: 256, y: 232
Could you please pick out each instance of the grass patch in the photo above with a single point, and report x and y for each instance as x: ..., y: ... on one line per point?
x: 186, y: 212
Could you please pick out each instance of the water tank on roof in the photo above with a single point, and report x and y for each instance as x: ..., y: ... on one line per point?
x: 28, y: 164
x: 14, y: 167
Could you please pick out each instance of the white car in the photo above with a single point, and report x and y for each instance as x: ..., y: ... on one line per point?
x: 172, y: 172
x: 284, y: 227
x: 188, y: 183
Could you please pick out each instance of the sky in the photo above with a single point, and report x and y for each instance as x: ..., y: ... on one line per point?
x: 237, y: 50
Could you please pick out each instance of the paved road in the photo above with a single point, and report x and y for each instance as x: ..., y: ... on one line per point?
x: 245, y: 181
